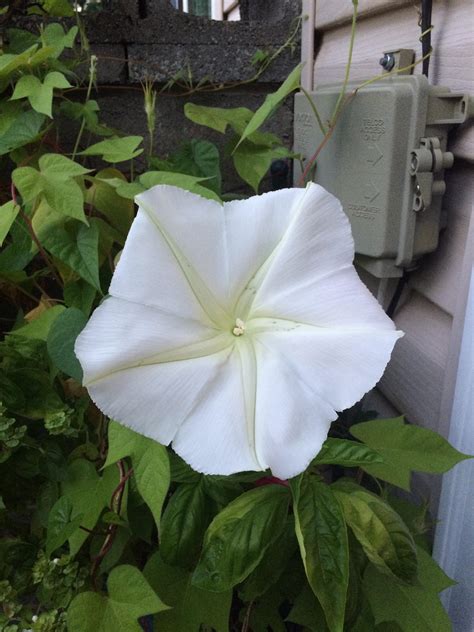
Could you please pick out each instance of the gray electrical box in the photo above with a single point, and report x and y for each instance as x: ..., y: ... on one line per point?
x: 385, y: 161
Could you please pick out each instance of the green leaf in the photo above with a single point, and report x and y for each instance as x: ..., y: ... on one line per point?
x: 430, y: 575
x: 405, y: 447
x: 307, y: 612
x: 415, y: 608
x: 116, y: 149
x: 272, y: 565
x: 28, y: 181
x: 58, y: 8
x: 238, y: 537
x: 40, y: 398
x: 191, y: 606
x: 60, y: 526
x: 10, y: 63
x: 218, y: 118
x: 19, y: 252
x: 77, y: 246
x: 346, y: 453
x: 150, y: 463
x: 60, y: 167
x: 88, y: 111
x: 8, y: 213
x: 272, y: 101
x: 61, y: 338
x: 130, y: 597
x: 252, y: 161
x: 55, y: 37
x: 18, y: 127
x: 185, y: 520
x: 19, y: 40
x: 189, y: 183
x: 89, y: 494
x: 385, y: 538
x: 55, y: 182
x: 39, y: 327
x: 65, y: 197
x: 40, y: 94
x: 199, y: 158
x: 104, y: 197
x: 322, y: 537
x: 80, y: 295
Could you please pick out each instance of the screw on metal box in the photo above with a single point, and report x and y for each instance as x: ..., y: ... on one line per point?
x: 387, y: 61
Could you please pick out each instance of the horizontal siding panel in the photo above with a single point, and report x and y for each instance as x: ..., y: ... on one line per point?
x: 375, y: 400
x: 414, y: 379
x: 451, y: 63
x: 439, y: 277
x: 330, y: 13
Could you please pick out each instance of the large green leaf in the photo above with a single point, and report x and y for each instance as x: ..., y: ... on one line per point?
x: 239, y: 535
x: 80, y: 295
x: 189, y: 183
x: 130, y: 596
x: 415, y: 608
x: 104, y: 197
x: 185, y: 520
x: 55, y: 182
x: 54, y: 36
x: 39, y: 327
x: 272, y: 101
x: 218, y: 118
x: 18, y: 126
x: 40, y: 93
x: 8, y: 213
x: 272, y: 565
x: 385, y: 538
x: 199, y: 158
x: 60, y: 526
x: 346, y: 453
x: 253, y: 161
x: 61, y: 338
x: 116, y: 149
x: 404, y: 448
x: 307, y: 612
x: 150, y: 463
x: 191, y: 607
x: 77, y: 246
x: 89, y: 494
x: 322, y: 537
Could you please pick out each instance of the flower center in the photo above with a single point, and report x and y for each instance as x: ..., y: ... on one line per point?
x: 239, y: 327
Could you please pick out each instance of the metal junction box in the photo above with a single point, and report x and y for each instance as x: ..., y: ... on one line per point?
x: 385, y: 161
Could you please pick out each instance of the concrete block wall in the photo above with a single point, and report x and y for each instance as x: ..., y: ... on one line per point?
x: 136, y: 40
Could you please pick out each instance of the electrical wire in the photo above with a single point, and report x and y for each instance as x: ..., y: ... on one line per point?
x: 426, y: 28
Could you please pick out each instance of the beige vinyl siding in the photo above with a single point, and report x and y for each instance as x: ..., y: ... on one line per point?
x: 419, y: 380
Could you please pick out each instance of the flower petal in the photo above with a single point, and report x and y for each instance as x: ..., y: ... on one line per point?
x: 146, y: 369
x: 123, y: 334
x: 317, y: 244
x: 292, y: 422
x: 214, y: 439
x: 254, y: 228
x: 335, y: 300
x: 337, y: 365
x: 148, y: 274
x: 226, y: 245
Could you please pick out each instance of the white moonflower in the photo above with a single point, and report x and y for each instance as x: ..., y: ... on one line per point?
x: 236, y: 332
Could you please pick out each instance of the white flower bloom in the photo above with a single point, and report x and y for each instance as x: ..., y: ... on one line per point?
x: 236, y: 332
